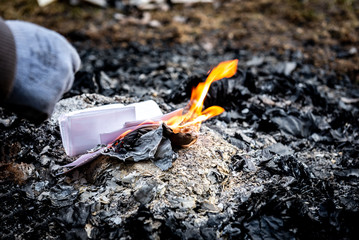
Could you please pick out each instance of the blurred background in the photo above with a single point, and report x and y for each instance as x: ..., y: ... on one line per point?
x: 326, y: 32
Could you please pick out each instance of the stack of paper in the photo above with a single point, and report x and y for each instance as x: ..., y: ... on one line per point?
x: 84, y: 129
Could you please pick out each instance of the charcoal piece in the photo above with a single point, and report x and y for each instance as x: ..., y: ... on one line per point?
x: 291, y: 125
x: 320, y: 138
x: 280, y: 149
x: 61, y: 195
x: 232, y: 231
x: 214, y: 176
x: 266, y: 155
x: 130, y: 141
x: 183, y: 91
x: 341, y: 117
x: 308, y: 94
x: 138, y: 224
x: 325, y: 208
x: 105, y: 83
x: 227, y: 93
x: 249, y: 82
x: 348, y: 173
x: 240, y: 163
x: 145, y: 143
x: 256, y: 114
x: 7, y: 122
x: 350, y: 158
x: 180, y: 139
x: 230, y: 93
x: 75, y: 215
x: 208, y: 233
x: 290, y: 166
x: 277, y: 85
x: 145, y: 193
x: 242, y: 136
x: 249, y: 165
x: 295, y: 168
x: 84, y: 83
x: 338, y: 135
x: 138, y: 145
x: 192, y: 232
x: 76, y: 233
x: 238, y: 143
x: 302, y: 126
x: 164, y: 155
x: 268, y: 227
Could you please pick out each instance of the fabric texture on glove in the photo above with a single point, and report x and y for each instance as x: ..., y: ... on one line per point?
x: 7, y: 61
x: 46, y: 64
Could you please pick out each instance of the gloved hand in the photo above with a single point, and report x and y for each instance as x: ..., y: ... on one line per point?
x: 46, y: 64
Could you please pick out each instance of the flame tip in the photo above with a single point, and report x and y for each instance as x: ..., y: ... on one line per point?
x: 195, y: 115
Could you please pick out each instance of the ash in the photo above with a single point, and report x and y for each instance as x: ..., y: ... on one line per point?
x: 280, y: 163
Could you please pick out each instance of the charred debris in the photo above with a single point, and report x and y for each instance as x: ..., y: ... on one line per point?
x: 280, y: 163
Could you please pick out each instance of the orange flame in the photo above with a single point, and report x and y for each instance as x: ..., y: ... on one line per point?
x: 194, y: 115
x: 191, y: 120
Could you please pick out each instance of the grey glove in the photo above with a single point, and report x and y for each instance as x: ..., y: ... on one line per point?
x: 46, y: 64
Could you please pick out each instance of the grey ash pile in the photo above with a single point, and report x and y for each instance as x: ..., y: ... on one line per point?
x: 280, y: 163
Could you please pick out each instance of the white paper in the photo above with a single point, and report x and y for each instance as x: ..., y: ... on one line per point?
x: 84, y: 129
x: 43, y: 3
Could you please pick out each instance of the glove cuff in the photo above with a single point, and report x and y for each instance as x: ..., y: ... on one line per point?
x: 7, y: 61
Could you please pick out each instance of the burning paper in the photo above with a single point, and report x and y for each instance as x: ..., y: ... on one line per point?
x: 85, y: 129
x: 153, y: 139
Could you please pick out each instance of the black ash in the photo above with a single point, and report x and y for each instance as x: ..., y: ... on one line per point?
x: 144, y: 143
x: 294, y: 175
